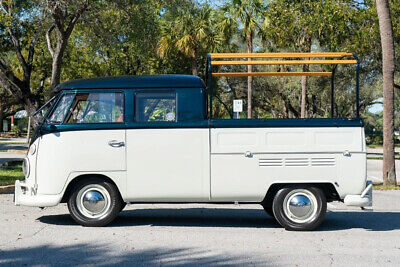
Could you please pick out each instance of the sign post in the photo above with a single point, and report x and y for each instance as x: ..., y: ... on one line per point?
x: 237, y: 108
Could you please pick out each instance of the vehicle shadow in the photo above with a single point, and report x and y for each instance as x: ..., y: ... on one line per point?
x: 250, y: 218
x: 190, y: 217
x: 100, y: 255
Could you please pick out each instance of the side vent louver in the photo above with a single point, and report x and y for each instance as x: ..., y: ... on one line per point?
x: 270, y: 162
x: 297, y: 162
x: 320, y: 162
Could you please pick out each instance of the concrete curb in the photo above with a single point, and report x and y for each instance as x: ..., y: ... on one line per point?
x: 8, y: 189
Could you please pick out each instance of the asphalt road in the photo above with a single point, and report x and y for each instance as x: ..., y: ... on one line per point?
x: 201, y: 235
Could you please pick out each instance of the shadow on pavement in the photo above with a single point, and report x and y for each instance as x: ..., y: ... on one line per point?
x: 371, y: 221
x: 253, y: 218
x: 88, y: 254
x: 197, y: 217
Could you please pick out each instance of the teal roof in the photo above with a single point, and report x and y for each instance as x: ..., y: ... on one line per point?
x: 122, y: 82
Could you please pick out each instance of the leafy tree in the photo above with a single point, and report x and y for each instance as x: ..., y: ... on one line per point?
x: 301, y: 25
x: 19, y: 35
x: 65, y: 15
x: 247, y: 17
x: 189, y: 29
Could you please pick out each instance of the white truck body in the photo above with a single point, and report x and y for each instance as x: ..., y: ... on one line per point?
x: 198, y: 165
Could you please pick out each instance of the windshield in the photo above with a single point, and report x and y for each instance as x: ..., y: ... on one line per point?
x: 41, y: 113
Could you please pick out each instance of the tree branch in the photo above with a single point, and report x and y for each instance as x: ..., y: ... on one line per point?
x: 6, y: 10
x: 9, y: 81
x: 31, y: 49
x: 48, y: 39
x: 225, y: 106
x: 397, y: 86
x: 75, y: 18
x: 17, y: 48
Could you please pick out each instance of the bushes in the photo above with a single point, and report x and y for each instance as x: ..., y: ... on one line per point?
x: 15, y: 130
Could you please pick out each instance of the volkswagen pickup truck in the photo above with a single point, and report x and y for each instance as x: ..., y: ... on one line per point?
x: 105, y: 142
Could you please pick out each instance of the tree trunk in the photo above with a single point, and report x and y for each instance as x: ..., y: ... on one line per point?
x: 194, y: 63
x: 249, y: 78
x: 56, y: 66
x: 55, y: 72
x: 387, y: 42
x: 306, y: 68
x: 1, y: 118
x: 303, y: 113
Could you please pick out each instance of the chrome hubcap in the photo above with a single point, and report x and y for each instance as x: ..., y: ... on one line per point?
x: 300, y: 206
x: 93, y: 201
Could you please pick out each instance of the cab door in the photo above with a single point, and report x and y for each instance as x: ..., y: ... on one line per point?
x: 165, y: 162
x: 85, y: 134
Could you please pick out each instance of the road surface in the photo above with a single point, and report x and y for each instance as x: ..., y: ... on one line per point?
x: 197, y: 234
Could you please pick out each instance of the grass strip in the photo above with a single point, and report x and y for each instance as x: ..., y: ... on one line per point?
x: 380, y: 186
x: 9, y: 174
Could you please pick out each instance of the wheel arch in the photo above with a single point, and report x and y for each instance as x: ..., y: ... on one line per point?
x: 329, y: 190
x: 81, y: 177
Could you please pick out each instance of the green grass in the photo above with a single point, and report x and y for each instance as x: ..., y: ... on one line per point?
x: 380, y: 146
x: 11, y: 173
x: 380, y: 186
x: 377, y: 157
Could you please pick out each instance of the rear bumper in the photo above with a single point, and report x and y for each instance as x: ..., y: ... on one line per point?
x: 363, y: 200
x: 24, y: 195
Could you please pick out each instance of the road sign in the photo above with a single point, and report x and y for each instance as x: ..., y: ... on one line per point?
x: 237, y: 105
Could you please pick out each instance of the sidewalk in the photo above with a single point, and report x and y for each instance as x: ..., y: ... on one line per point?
x: 12, y: 140
x: 379, y: 150
x: 12, y: 144
x: 6, y: 157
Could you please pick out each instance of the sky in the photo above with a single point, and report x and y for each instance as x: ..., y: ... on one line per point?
x: 376, y: 108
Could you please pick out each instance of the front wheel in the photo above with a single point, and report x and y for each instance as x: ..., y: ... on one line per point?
x: 94, y: 202
x: 299, y: 208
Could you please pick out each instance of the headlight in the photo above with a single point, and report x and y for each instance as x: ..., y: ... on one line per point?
x: 25, y: 167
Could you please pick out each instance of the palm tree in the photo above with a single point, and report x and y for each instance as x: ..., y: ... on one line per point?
x: 247, y: 15
x: 189, y: 29
x: 386, y: 32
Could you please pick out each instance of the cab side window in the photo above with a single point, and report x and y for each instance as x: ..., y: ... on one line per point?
x: 97, y: 108
x: 155, y: 107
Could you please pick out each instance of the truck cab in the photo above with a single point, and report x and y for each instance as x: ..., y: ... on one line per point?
x: 105, y: 142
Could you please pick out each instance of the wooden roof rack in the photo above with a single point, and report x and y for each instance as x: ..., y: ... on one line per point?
x: 316, y: 58
x: 280, y: 55
x: 241, y: 74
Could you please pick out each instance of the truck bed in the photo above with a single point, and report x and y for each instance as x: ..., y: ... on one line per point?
x: 266, y: 123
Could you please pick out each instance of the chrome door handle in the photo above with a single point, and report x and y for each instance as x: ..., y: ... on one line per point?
x: 115, y: 143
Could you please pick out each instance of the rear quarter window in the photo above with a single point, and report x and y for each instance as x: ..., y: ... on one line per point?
x: 155, y: 107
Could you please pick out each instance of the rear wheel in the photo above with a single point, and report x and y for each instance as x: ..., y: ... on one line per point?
x: 94, y: 202
x: 299, y: 208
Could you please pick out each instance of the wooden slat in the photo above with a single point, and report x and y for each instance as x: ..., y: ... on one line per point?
x: 279, y: 55
x: 243, y: 74
x: 282, y: 62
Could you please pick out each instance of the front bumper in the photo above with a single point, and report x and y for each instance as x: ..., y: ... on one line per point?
x: 363, y: 200
x: 26, y: 196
